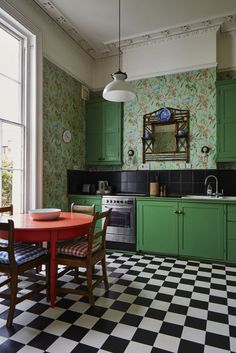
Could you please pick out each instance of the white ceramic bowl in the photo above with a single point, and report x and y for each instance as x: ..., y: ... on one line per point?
x: 43, y: 214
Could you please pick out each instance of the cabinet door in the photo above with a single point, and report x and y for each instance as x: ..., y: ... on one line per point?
x: 231, y: 234
x: 94, y: 133
x: 157, y: 227
x: 112, y: 132
x: 103, y: 133
x: 201, y: 230
x: 226, y: 121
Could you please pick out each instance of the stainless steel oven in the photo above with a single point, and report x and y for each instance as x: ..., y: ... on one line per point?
x: 121, y: 227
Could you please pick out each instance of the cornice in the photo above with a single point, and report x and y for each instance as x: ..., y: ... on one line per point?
x: 223, y: 23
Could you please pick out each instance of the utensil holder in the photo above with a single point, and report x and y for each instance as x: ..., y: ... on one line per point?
x: 154, y: 189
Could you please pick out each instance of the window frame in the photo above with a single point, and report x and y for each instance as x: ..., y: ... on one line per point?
x: 11, y: 18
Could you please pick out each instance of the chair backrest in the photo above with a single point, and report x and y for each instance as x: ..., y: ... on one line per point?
x: 98, y: 237
x: 7, y: 233
x: 8, y: 209
x: 83, y: 209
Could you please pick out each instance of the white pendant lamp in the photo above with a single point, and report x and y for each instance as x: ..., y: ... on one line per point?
x: 118, y: 90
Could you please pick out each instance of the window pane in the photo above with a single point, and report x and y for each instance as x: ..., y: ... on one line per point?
x: 12, y: 145
x: 12, y: 158
x: 9, y: 99
x: 9, y: 58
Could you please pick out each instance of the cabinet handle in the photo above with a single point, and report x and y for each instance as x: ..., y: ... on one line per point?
x: 178, y: 212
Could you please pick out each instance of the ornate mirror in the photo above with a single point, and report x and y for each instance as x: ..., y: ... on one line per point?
x: 165, y: 135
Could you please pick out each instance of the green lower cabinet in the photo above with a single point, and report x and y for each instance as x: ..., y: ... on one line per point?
x: 201, y: 230
x: 231, y: 234
x: 87, y: 200
x: 191, y: 229
x: 157, y: 227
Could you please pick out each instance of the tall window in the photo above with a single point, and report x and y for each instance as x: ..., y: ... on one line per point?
x: 20, y: 98
x: 12, y: 119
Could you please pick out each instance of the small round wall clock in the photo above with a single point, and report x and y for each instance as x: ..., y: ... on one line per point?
x: 66, y: 136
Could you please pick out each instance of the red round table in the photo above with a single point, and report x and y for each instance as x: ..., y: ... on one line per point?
x: 68, y: 225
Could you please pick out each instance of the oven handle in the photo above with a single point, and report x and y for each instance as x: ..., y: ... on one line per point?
x: 115, y: 207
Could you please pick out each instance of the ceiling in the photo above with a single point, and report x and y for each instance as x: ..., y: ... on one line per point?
x: 93, y: 24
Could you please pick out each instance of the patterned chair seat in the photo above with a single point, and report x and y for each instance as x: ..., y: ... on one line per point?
x: 76, y: 247
x: 23, y: 253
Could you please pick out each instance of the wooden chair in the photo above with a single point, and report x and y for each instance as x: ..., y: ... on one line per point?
x: 83, y: 209
x: 15, y: 260
x: 86, y: 253
x: 80, y: 209
x: 8, y: 209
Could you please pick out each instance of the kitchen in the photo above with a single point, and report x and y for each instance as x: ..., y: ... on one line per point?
x: 184, y: 82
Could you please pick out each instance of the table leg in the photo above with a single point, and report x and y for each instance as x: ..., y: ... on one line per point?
x: 53, y: 270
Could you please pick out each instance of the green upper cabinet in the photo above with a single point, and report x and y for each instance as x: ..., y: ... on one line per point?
x: 226, y: 121
x: 103, y: 133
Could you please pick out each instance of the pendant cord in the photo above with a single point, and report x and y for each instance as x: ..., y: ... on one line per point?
x: 119, y: 37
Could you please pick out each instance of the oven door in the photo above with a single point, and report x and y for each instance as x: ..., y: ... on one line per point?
x: 121, y: 226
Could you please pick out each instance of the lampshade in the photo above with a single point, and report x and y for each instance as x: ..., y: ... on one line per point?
x: 118, y: 90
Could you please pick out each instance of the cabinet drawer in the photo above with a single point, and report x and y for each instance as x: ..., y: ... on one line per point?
x: 231, y: 252
x: 231, y: 230
x: 231, y: 214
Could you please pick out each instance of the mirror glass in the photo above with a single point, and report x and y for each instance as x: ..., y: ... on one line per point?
x: 164, y: 138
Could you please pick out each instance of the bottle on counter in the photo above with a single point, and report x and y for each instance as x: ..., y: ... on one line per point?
x: 154, y: 188
x: 209, y: 190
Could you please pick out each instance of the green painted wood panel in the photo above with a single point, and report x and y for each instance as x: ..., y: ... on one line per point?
x: 157, y: 227
x: 226, y: 121
x: 201, y: 230
x: 103, y: 133
x: 112, y: 132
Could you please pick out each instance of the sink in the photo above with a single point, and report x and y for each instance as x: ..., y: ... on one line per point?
x: 205, y: 197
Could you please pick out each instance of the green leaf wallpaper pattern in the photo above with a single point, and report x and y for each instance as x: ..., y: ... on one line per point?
x: 62, y: 109
x: 195, y: 91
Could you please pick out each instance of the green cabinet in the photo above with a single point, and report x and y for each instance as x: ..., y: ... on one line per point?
x: 157, y: 227
x: 231, y: 234
x: 103, y: 133
x: 226, y: 121
x: 181, y: 228
x: 87, y: 200
x: 201, y: 230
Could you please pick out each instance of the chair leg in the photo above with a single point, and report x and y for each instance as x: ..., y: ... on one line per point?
x: 13, y: 288
x: 76, y: 274
x: 104, y: 272
x: 90, y: 285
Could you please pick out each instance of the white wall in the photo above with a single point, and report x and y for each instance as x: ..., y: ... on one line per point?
x: 58, y: 47
x: 226, y: 51
x: 194, y: 51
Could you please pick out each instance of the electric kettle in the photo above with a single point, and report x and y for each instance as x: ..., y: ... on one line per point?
x: 102, y: 185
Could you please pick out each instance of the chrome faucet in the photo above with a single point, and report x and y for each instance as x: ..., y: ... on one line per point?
x: 217, y: 194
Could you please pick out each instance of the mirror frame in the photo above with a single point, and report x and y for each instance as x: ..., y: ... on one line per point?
x: 179, y: 119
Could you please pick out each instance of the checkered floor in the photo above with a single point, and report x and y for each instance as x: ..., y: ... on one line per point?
x: 154, y: 305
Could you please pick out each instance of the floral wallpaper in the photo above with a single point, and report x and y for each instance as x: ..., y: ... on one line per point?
x: 63, y: 110
x: 194, y: 91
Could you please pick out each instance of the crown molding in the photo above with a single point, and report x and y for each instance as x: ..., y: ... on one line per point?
x: 222, y: 23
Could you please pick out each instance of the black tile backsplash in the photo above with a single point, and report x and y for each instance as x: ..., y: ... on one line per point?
x: 178, y: 182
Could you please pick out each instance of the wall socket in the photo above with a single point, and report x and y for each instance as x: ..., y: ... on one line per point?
x: 144, y: 166
x: 188, y: 166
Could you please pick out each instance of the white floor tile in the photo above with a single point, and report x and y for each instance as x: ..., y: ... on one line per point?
x: 94, y: 338
x: 124, y: 331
